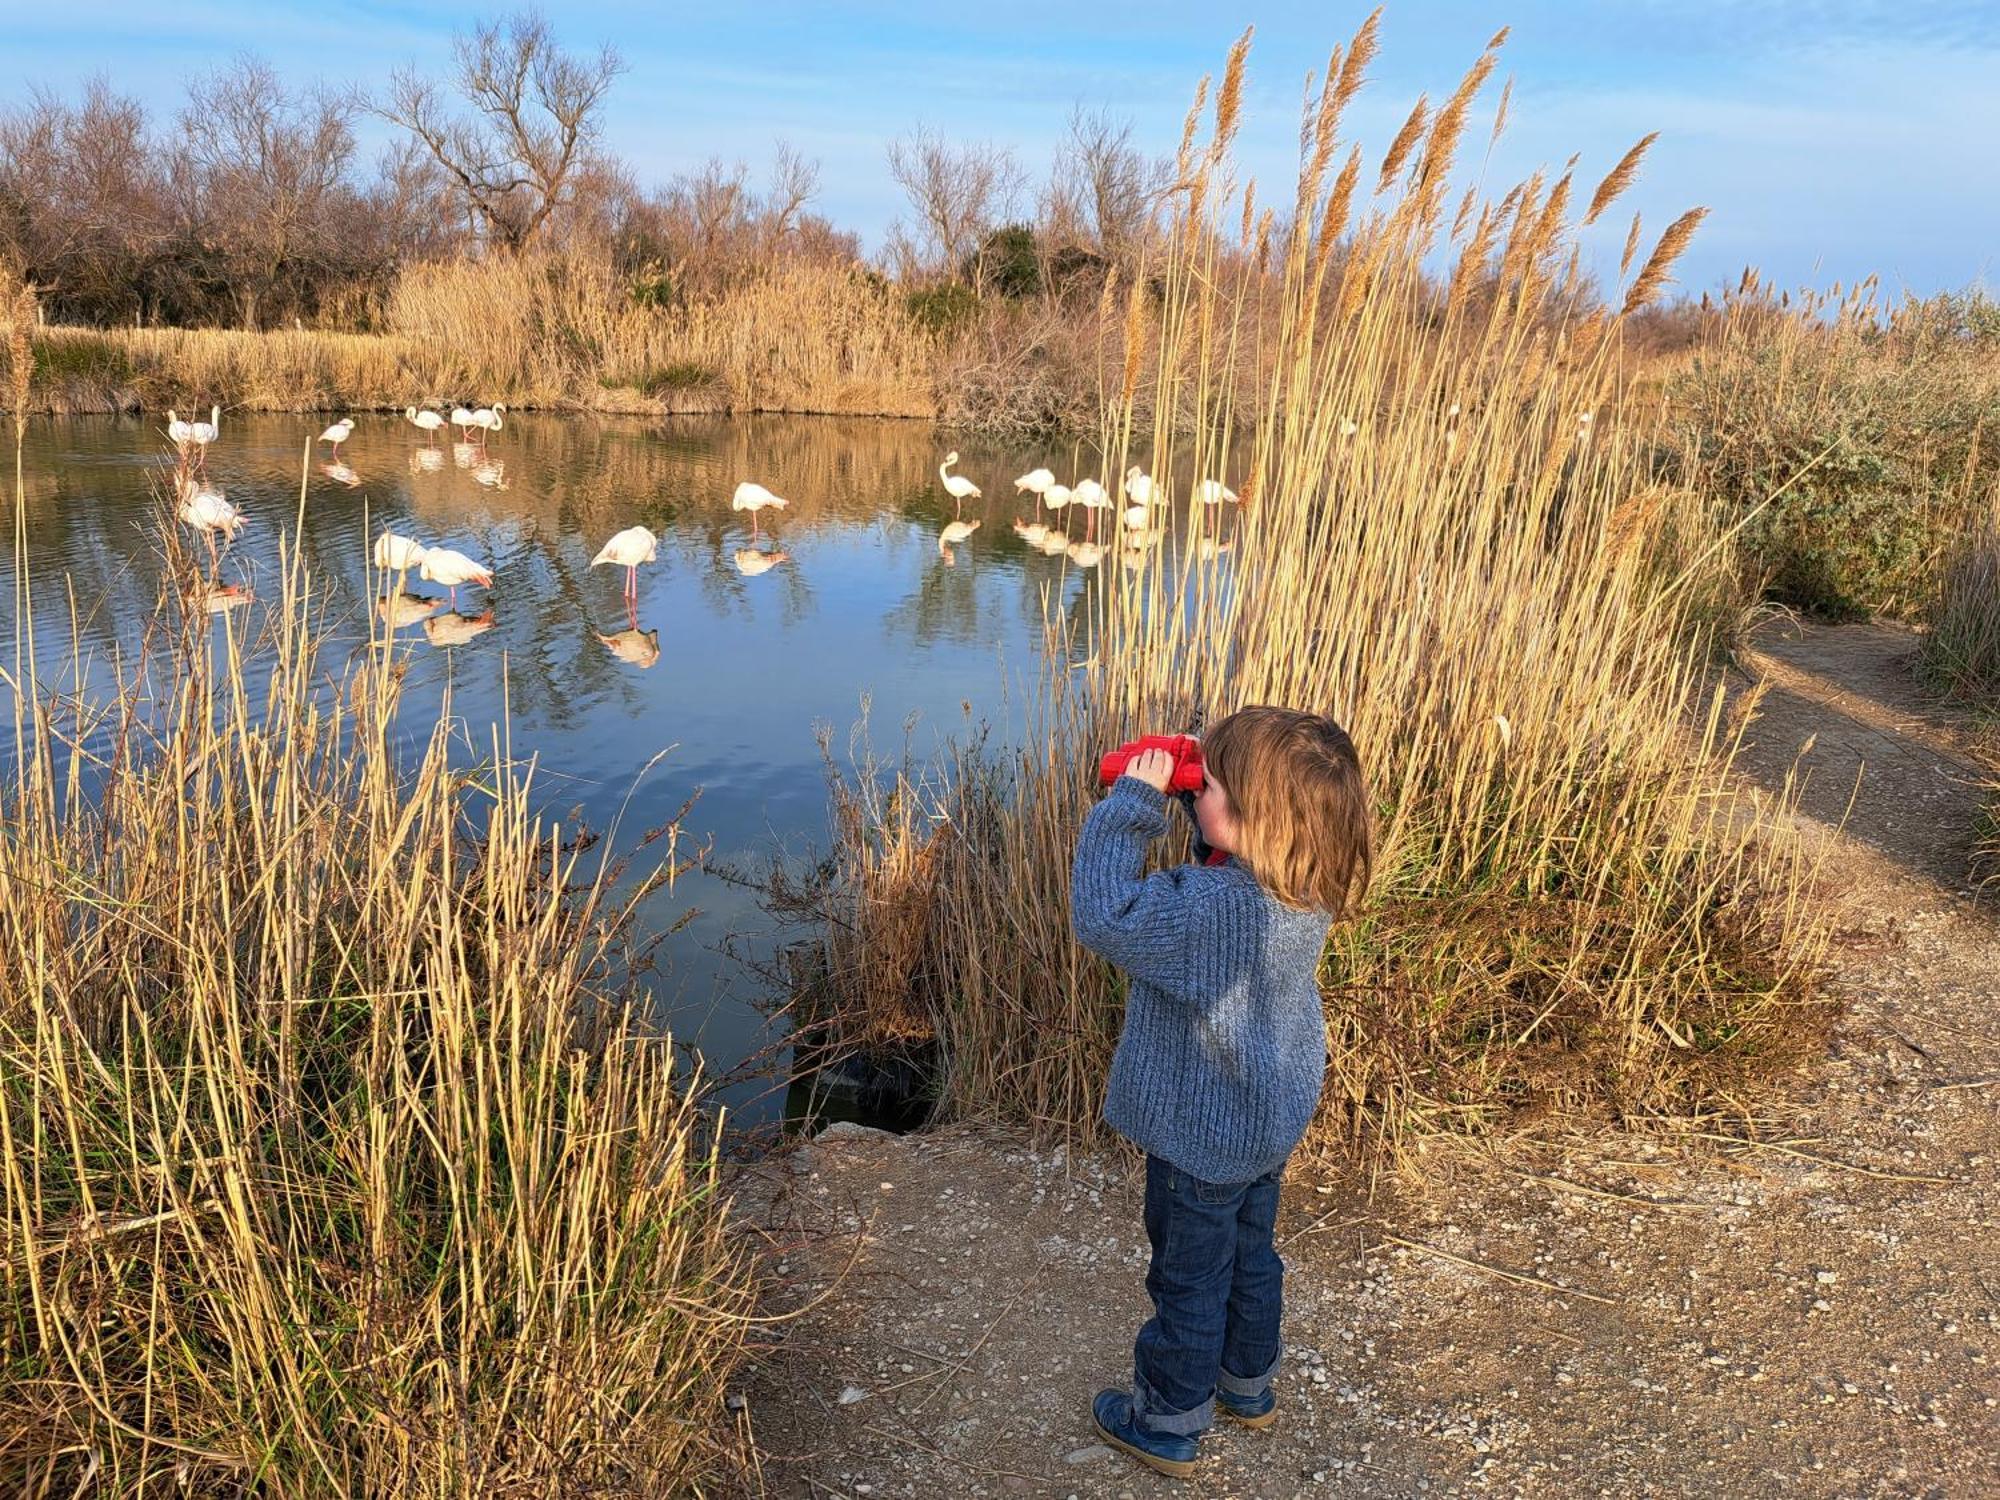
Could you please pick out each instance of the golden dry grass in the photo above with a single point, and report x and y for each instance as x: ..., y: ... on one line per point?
x: 549, y: 330
x: 1448, y: 542
x: 335, y: 1162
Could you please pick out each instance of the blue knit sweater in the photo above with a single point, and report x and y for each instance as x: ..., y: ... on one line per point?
x: 1219, y: 1066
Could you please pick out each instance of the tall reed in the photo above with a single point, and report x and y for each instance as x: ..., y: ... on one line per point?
x: 335, y: 1159
x: 1449, y: 542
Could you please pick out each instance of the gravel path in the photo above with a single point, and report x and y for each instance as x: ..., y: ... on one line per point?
x: 1561, y: 1316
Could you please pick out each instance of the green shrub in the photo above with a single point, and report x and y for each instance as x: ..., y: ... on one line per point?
x: 1009, y: 262
x: 683, y: 375
x: 80, y: 358
x: 1870, y: 442
x: 945, y: 310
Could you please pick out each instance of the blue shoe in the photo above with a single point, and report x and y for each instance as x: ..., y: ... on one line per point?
x: 1252, y: 1411
x: 1170, y: 1452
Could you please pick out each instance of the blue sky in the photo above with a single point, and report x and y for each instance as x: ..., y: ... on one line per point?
x: 1828, y: 140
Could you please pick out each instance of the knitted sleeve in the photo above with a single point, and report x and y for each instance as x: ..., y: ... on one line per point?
x: 1148, y: 925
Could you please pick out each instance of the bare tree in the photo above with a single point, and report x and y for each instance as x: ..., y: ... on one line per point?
x: 269, y: 176
x: 518, y: 157
x: 83, y: 210
x: 1114, y: 184
x: 794, y: 184
x: 957, y: 192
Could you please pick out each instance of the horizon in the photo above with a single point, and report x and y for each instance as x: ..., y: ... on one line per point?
x: 1828, y: 142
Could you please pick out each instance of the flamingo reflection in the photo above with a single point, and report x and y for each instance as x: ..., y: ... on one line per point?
x: 636, y: 647
x: 455, y: 629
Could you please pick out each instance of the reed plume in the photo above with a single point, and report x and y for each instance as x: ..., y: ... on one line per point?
x: 1618, y: 178
x: 1229, y: 103
x: 1631, y: 248
x: 1360, y: 53
x: 1654, y: 274
x: 1404, y: 143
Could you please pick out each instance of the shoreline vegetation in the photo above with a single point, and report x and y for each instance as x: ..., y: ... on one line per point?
x: 338, y: 1157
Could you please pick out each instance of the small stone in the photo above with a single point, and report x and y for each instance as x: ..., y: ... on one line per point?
x: 733, y: 1402
x: 1089, y: 1455
x: 1826, y: 1278
x: 851, y: 1394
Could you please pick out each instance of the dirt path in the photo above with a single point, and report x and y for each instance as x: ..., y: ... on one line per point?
x: 1817, y: 1318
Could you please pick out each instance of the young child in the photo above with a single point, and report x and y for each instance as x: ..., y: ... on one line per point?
x: 1219, y: 1067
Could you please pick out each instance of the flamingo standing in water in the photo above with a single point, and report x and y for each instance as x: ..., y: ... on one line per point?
x: 195, y: 435
x: 338, y: 433
x: 442, y: 565
x: 753, y: 498
x: 1093, y: 497
x: 632, y: 546
x: 1139, y: 486
x: 461, y: 418
x: 1035, y: 482
x: 488, y: 419
x: 397, y: 555
x: 957, y: 486
x: 204, y: 508
x: 426, y: 419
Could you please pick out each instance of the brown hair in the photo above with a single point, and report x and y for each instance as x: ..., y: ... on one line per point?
x: 1294, y: 783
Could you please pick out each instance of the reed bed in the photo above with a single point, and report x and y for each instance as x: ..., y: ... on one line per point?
x: 549, y: 330
x: 336, y: 1160
x: 1447, y: 540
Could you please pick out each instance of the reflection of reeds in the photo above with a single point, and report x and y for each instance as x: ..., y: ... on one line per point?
x: 1576, y: 908
x: 330, y: 1152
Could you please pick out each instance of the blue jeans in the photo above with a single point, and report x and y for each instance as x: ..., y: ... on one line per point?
x: 1215, y: 1281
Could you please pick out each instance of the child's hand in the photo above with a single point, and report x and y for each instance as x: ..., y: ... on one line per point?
x: 1154, y: 767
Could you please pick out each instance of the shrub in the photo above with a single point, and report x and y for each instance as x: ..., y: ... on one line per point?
x: 943, y: 311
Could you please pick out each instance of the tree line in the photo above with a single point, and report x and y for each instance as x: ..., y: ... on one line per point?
x: 253, y: 208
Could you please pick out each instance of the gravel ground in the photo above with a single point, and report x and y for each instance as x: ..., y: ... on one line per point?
x: 1597, y: 1314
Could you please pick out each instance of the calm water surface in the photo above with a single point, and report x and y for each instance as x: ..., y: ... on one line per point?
x: 753, y: 652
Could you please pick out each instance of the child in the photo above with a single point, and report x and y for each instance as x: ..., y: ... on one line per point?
x: 1219, y: 1067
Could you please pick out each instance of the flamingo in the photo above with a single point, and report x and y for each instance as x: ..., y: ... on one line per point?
x: 442, y: 565
x: 204, y: 507
x: 1136, y: 517
x: 639, y: 647
x: 632, y: 546
x: 461, y: 418
x: 750, y: 561
x: 1139, y: 486
x: 1035, y: 481
x: 753, y: 498
x: 1056, y: 497
x: 1093, y: 497
x: 399, y: 553
x: 954, y: 532
x: 179, y: 433
x: 338, y: 433
x: 426, y: 419
x: 957, y: 486
x: 488, y: 419
x: 1213, y: 492
x: 195, y: 435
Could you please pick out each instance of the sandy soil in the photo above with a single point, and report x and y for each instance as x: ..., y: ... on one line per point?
x: 1591, y: 1315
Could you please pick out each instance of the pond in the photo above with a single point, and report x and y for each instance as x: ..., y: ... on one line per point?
x: 716, y: 677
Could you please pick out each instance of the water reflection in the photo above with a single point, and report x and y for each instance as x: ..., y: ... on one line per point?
x: 768, y: 638
x: 635, y: 647
x: 455, y: 629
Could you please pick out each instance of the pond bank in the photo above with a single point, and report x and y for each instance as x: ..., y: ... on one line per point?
x: 1598, y: 1312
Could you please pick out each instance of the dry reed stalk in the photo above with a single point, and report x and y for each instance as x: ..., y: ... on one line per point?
x: 1229, y: 102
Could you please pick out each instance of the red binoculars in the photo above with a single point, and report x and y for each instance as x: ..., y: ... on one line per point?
x: 1184, y: 748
